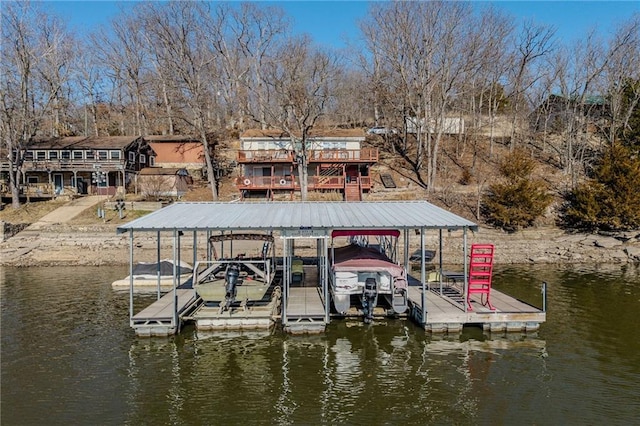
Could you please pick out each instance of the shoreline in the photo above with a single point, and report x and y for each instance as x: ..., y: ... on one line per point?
x: 99, y: 245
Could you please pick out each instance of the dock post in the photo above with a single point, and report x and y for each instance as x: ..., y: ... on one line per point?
x: 544, y: 296
x: 285, y: 280
x: 130, y: 275
x: 466, y: 267
x: 158, y: 273
x: 440, y: 246
x: 195, y: 247
x: 176, y: 243
x: 423, y: 276
x: 325, y: 279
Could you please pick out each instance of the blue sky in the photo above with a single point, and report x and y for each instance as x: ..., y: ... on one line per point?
x: 329, y: 22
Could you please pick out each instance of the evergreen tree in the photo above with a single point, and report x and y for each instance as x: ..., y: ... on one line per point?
x: 518, y: 200
x: 610, y: 200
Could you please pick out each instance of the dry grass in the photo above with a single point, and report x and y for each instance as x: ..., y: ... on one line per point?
x: 29, y: 212
x: 90, y: 217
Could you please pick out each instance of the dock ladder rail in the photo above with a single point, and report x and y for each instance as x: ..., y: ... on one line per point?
x: 480, y: 273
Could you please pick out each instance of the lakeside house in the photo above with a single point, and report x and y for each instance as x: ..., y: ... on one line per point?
x: 178, y: 151
x: 102, y: 165
x: 105, y: 165
x: 337, y: 162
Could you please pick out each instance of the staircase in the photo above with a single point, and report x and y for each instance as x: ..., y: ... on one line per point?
x: 352, y: 191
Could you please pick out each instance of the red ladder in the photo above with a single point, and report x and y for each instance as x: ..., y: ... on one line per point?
x: 480, y: 271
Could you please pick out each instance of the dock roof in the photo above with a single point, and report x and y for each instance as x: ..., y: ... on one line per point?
x: 296, y: 216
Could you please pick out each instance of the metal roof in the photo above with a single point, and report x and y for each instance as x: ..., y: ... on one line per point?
x: 292, y: 216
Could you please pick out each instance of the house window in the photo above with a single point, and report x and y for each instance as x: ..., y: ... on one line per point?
x: 32, y: 179
x: 89, y: 155
x: 53, y: 155
x: 65, y: 155
x: 77, y: 155
x: 132, y: 156
x: 28, y: 156
x: 152, y: 161
x: 143, y: 159
x: 102, y: 155
x: 114, y: 155
x: 41, y: 155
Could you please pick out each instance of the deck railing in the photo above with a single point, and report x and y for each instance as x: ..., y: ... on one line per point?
x: 365, y: 155
x: 292, y: 183
x: 70, y: 164
x: 266, y: 156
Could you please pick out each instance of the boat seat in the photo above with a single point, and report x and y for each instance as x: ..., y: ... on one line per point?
x: 297, y: 271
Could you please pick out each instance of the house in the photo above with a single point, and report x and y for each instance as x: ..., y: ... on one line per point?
x: 449, y: 125
x: 161, y: 182
x: 177, y: 151
x: 560, y: 112
x: 337, y: 162
x: 83, y: 165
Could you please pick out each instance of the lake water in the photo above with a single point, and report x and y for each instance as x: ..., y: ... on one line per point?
x: 69, y: 357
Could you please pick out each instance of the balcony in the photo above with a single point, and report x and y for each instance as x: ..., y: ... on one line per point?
x: 70, y: 164
x: 291, y: 183
x: 366, y: 155
x: 266, y: 156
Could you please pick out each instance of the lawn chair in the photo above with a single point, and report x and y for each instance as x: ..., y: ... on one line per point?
x: 480, y: 272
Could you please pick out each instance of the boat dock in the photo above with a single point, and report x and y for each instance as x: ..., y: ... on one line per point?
x: 445, y: 312
x: 299, y: 300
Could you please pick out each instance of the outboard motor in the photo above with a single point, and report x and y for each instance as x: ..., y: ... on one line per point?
x: 369, y: 299
x: 231, y: 280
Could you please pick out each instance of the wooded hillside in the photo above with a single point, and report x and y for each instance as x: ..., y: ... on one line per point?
x: 213, y: 70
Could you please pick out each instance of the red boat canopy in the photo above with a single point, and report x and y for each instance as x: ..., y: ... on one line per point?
x: 354, y: 232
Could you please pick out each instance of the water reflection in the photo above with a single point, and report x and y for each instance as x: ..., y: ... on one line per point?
x: 70, y: 357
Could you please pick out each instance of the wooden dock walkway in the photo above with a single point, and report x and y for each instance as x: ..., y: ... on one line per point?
x: 446, y: 311
x: 158, y: 319
x: 305, y: 311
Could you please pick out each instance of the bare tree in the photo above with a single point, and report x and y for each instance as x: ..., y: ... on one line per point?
x: 181, y: 34
x: 622, y: 76
x: 301, y: 83
x: 122, y: 50
x: 89, y: 77
x: 533, y: 43
x: 422, y: 52
x: 33, y: 70
x: 246, y: 42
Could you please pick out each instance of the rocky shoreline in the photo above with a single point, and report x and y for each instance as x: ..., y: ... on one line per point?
x: 70, y: 245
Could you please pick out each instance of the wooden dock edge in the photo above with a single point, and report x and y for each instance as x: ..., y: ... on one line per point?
x: 498, y: 322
